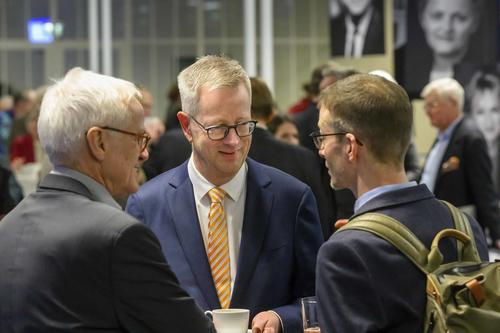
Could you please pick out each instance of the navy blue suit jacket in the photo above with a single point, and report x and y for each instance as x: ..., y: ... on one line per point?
x: 280, y: 238
x: 364, y: 284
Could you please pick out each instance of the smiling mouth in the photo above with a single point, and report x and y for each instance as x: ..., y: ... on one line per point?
x: 228, y: 153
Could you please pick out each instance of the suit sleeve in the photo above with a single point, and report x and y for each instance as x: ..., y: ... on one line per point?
x: 347, y: 299
x: 479, y: 178
x: 147, y: 294
x: 308, y: 239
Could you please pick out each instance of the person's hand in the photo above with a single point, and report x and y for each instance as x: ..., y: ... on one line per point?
x: 16, y: 164
x: 266, y: 322
x: 340, y: 223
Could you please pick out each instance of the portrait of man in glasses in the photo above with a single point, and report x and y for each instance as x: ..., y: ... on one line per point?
x: 261, y: 255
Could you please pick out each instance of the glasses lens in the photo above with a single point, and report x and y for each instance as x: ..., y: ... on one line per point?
x: 217, y: 133
x: 144, y: 139
x: 245, y: 129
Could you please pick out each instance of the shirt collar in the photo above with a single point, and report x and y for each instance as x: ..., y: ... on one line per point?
x: 363, y: 22
x: 201, y: 185
x: 449, y: 130
x: 95, y: 188
x: 375, y: 192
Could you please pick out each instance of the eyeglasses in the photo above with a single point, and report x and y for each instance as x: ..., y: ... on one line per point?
x: 142, y: 138
x: 319, y: 138
x: 219, y: 132
x: 431, y: 105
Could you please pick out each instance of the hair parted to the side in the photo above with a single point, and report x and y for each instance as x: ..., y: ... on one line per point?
x: 375, y: 110
x: 211, y: 72
x: 80, y: 100
x: 446, y: 88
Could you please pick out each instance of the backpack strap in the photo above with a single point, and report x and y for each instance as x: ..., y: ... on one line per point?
x: 395, y: 233
x: 462, y: 224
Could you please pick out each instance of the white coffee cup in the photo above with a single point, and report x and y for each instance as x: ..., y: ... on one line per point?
x: 230, y: 320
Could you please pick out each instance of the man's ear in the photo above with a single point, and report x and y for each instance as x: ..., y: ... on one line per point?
x: 96, y: 143
x: 352, y: 147
x: 185, y: 123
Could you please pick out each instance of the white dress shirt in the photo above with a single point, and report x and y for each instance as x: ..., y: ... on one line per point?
x: 234, y: 207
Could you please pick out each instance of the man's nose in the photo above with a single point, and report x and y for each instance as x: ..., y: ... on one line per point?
x: 232, y: 137
x: 144, y: 155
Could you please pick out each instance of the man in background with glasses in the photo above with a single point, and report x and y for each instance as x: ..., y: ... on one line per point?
x: 365, y: 127
x: 70, y: 259
x: 237, y: 233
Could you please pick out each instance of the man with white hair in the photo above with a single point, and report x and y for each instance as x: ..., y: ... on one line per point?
x: 458, y: 167
x: 70, y: 259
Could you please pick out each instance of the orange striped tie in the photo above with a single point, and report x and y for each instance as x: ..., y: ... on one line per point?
x: 218, y: 249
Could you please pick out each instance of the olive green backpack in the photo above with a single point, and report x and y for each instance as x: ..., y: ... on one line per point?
x: 462, y: 296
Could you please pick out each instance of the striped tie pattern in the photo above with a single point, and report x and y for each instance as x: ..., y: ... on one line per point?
x: 218, y: 249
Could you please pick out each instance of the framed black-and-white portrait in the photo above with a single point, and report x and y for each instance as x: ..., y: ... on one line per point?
x: 356, y: 28
x: 447, y: 38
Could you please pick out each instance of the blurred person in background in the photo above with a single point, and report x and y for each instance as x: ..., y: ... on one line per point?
x: 24, y: 102
x: 458, y: 168
x: 284, y: 128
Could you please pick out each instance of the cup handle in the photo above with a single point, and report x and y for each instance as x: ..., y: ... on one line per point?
x: 208, y: 313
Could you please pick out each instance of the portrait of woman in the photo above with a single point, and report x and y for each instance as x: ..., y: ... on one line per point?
x: 448, y: 38
x: 483, y: 105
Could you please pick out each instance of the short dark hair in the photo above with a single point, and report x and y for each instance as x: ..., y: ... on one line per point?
x: 262, y: 99
x: 375, y: 110
x: 277, y: 121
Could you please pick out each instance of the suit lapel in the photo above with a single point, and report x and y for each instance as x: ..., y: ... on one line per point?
x: 450, y: 150
x: 185, y: 219
x: 259, y: 201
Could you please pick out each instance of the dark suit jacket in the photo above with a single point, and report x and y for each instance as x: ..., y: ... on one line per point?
x: 170, y: 151
x: 364, y: 284
x: 374, y: 38
x: 470, y: 182
x: 280, y: 238
x: 307, y: 122
x: 70, y: 263
x: 6, y: 201
x: 301, y: 163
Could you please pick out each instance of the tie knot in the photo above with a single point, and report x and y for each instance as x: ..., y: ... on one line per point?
x: 216, y: 195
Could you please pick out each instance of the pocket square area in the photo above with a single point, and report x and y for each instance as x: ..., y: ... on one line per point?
x: 453, y: 163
